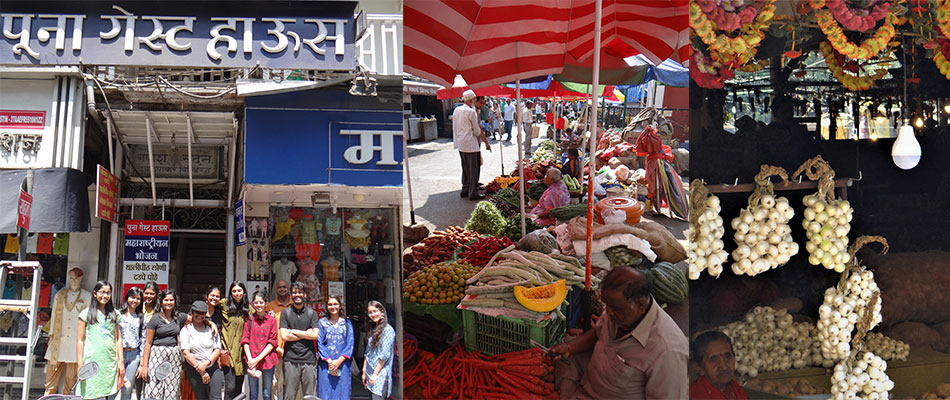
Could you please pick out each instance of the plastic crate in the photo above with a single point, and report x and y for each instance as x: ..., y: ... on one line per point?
x: 495, y: 335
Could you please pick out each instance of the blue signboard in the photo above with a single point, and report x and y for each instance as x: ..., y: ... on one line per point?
x: 323, y: 137
x: 147, y: 34
x: 239, y: 236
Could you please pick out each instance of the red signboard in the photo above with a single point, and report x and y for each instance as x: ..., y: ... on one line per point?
x: 107, y: 195
x: 23, y: 210
x: 22, y: 119
x: 146, y: 228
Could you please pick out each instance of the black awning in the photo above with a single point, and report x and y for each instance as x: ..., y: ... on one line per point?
x: 60, y: 200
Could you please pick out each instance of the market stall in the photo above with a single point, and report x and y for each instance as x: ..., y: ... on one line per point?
x: 810, y: 129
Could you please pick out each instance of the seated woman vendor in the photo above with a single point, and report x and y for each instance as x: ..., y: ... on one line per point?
x: 556, y: 195
x: 716, y: 362
x: 573, y: 166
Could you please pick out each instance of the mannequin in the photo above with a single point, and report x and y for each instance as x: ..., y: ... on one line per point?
x: 308, y: 270
x: 283, y: 269
x: 61, y: 351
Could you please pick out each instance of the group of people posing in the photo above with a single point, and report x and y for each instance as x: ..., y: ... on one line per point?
x: 225, y: 337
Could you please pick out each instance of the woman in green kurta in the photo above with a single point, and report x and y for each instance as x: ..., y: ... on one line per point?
x: 232, y: 328
x: 99, y: 341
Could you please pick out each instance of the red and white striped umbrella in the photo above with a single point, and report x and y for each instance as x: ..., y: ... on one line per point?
x: 492, y: 42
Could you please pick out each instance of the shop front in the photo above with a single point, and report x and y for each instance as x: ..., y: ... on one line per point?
x: 321, y: 202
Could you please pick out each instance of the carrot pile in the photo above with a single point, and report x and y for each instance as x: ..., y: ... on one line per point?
x: 460, y: 374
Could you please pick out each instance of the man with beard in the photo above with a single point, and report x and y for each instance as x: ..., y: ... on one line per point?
x: 467, y: 134
x: 299, y: 328
x: 713, y: 357
x: 634, y: 351
x: 276, y: 307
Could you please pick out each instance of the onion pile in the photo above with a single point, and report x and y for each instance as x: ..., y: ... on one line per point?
x: 827, y: 227
x: 706, y: 249
x: 763, y: 236
x: 844, y: 305
x: 889, y: 349
x: 864, y: 378
x: 768, y: 340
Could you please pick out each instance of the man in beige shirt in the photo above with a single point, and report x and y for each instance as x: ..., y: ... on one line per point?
x: 634, y: 351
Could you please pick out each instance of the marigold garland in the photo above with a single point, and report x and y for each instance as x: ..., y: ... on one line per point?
x: 730, y: 15
x: 850, y: 82
x: 940, y: 57
x: 731, y: 50
x: 852, y: 20
x: 942, y: 16
x: 869, y: 48
x: 707, y: 73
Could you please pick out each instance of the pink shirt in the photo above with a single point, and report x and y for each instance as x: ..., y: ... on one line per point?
x: 554, y: 196
x: 647, y: 363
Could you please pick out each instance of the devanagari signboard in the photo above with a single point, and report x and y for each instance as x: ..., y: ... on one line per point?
x: 146, y: 253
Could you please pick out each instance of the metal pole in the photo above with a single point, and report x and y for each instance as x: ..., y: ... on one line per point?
x: 151, y: 157
x: 114, y: 271
x: 405, y: 160
x: 521, y: 180
x: 593, y: 144
x: 191, y: 178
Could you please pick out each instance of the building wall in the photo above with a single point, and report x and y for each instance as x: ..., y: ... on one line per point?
x: 84, y: 248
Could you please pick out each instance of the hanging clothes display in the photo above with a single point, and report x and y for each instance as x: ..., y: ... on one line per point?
x: 332, y: 238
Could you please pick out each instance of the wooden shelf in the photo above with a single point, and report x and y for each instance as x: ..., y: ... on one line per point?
x: 778, y: 187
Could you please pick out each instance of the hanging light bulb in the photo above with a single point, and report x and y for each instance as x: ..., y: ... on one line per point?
x: 906, y: 150
x: 919, y: 122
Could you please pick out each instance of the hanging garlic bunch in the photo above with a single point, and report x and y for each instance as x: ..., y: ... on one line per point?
x: 861, y: 378
x: 767, y: 340
x: 763, y: 237
x: 847, y: 303
x: 827, y: 220
x: 705, y: 232
x: 844, y: 305
x: 889, y: 349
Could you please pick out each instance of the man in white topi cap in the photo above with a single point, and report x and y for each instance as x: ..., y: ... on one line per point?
x: 466, y: 135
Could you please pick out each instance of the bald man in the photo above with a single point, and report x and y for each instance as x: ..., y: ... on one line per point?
x: 634, y: 351
x: 276, y: 306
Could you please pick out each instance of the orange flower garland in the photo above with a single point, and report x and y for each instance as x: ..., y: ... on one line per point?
x: 941, y: 59
x: 731, y: 50
x: 942, y: 13
x: 850, y: 82
x: 870, y: 47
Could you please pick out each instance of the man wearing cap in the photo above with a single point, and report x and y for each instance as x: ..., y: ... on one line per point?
x: 467, y: 134
x: 526, y: 122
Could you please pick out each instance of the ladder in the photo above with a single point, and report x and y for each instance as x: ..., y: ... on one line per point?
x: 28, y: 308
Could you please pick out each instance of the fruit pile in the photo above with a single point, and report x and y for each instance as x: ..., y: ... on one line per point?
x: 443, y: 283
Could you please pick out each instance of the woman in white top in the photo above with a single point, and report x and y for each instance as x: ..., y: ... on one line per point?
x: 200, y: 347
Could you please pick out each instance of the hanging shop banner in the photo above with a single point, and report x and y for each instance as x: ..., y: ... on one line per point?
x: 239, y: 234
x: 337, y: 139
x: 24, y: 206
x: 167, y: 35
x: 170, y: 161
x: 107, y: 195
x: 146, y: 253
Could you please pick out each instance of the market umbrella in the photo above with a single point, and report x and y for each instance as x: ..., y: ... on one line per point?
x: 459, y: 87
x: 491, y: 42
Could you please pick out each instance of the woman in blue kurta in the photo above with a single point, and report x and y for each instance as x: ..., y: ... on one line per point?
x: 378, y: 364
x: 336, y: 347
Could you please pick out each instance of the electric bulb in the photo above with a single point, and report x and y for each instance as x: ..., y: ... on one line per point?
x: 906, y: 149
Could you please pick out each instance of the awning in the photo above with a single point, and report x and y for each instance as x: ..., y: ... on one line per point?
x: 60, y: 200
x: 420, y: 88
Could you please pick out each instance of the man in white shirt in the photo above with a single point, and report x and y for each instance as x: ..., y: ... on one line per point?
x: 467, y: 134
x: 526, y: 121
x: 509, y: 119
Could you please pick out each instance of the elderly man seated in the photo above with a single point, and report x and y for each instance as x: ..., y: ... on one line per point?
x: 556, y: 195
x: 713, y: 357
x: 635, y: 350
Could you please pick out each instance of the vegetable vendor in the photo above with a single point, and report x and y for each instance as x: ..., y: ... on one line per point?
x: 574, y: 166
x: 716, y: 362
x: 556, y: 195
x: 634, y: 351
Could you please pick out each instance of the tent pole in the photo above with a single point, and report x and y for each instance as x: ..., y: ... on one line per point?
x: 405, y: 159
x: 593, y: 143
x: 521, y: 180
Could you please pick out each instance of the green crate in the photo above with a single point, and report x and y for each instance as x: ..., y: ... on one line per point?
x: 496, y: 335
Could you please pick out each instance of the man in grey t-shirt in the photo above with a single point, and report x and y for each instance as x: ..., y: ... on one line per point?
x: 299, y: 327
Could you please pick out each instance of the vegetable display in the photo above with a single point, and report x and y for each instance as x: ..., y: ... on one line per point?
x: 705, y: 232
x: 790, y: 388
x: 669, y: 283
x: 442, y: 283
x: 485, y: 219
x: 827, y: 220
x: 864, y: 378
x: 542, y: 298
x: 569, y: 211
x: 536, y: 190
x: 479, y: 252
x: 572, y: 184
x: 768, y: 340
x: 762, y: 233
x: 856, y: 298
x: 459, y: 374
x: 512, y: 229
x: 437, y: 247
